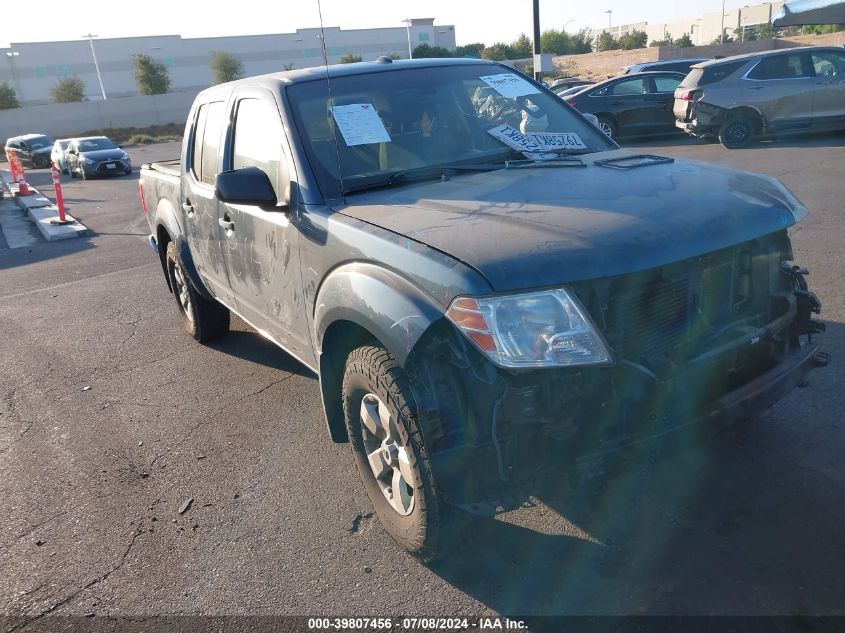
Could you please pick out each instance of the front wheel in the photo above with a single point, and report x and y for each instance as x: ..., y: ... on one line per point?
x: 608, y: 126
x: 40, y: 162
x: 205, y: 320
x: 737, y: 133
x: 389, y: 451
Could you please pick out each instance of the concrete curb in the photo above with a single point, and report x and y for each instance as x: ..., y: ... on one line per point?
x: 42, y: 212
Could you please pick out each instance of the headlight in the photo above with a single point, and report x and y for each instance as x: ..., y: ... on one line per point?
x: 88, y: 161
x: 126, y: 157
x: 536, y: 329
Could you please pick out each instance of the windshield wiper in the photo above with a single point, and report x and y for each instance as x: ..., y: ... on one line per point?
x: 423, y: 173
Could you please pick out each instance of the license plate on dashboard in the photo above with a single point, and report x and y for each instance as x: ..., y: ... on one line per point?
x: 110, y: 166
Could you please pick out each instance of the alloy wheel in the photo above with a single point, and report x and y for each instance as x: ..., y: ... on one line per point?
x: 388, y: 455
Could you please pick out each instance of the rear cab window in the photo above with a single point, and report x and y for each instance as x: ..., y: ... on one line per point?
x: 210, y: 121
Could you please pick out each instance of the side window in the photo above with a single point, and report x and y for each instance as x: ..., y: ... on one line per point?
x: 196, y: 141
x: 258, y: 141
x: 215, y: 121
x: 630, y: 87
x: 828, y: 63
x: 666, y: 84
x: 779, y: 67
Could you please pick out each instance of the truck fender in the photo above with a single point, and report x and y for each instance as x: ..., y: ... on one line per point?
x: 167, y: 221
x: 377, y: 302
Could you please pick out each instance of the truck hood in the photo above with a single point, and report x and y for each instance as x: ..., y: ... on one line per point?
x: 532, y: 227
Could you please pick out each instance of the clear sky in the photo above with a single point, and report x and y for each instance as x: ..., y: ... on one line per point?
x: 474, y: 20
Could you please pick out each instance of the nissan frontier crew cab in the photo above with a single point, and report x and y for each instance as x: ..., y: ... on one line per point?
x: 486, y: 285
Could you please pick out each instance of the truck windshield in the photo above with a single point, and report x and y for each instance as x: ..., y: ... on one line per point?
x: 382, y: 123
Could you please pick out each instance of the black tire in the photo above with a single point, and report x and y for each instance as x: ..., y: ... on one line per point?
x: 372, y: 371
x: 40, y: 162
x: 737, y: 132
x: 203, y: 319
x: 83, y: 174
x: 608, y: 126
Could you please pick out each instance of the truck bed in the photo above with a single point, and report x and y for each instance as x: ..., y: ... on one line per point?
x: 170, y: 167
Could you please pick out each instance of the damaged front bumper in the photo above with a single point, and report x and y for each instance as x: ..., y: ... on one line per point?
x: 491, y: 433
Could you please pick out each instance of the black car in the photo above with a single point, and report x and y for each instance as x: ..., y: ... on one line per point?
x: 631, y: 105
x: 33, y: 149
x: 96, y: 156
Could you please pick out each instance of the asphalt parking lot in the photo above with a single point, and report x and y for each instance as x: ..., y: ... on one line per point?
x: 111, y: 419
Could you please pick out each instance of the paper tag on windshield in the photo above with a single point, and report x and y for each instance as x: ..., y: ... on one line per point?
x: 557, y: 140
x: 360, y: 124
x: 516, y: 139
x: 510, y: 85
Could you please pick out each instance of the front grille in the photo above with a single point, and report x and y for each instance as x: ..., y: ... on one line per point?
x: 103, y: 168
x: 678, y: 308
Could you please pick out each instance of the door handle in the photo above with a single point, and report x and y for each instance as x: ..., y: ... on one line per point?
x: 756, y: 87
x: 823, y: 83
x: 188, y: 208
x: 226, y: 224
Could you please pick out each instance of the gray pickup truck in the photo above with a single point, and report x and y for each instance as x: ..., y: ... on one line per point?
x: 487, y: 286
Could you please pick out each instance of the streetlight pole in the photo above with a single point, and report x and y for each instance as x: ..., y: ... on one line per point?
x: 91, y: 37
x: 609, y: 20
x: 567, y: 22
x: 722, y: 31
x: 538, y: 74
x: 10, y: 55
x: 407, y: 22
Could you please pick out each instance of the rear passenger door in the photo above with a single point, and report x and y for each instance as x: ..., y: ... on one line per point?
x: 662, y: 95
x: 199, y: 206
x: 781, y: 87
x: 261, y: 246
x: 630, y: 103
x: 829, y: 101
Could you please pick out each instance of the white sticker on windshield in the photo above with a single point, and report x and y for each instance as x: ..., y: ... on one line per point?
x: 557, y: 140
x: 510, y: 85
x: 516, y: 139
x: 360, y: 124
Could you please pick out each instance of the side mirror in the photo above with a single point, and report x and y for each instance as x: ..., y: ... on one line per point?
x: 120, y: 147
x: 249, y: 185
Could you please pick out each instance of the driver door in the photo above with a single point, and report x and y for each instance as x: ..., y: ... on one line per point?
x: 261, y: 245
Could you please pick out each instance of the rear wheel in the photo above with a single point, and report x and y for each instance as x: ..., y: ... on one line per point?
x: 737, y: 132
x: 389, y: 451
x: 608, y: 126
x: 205, y: 320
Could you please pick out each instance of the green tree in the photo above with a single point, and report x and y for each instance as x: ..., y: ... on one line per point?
x: 666, y: 41
x: 496, y: 52
x: 469, y: 50
x: 151, y: 76
x: 288, y: 66
x: 633, y: 39
x: 8, y: 98
x: 522, y: 47
x: 351, y: 58
x: 684, y: 41
x: 582, y: 42
x: 766, y: 31
x: 226, y: 67
x: 68, y: 90
x: 606, y: 42
x: 555, y: 42
x: 424, y: 50
x: 821, y: 29
x: 394, y: 56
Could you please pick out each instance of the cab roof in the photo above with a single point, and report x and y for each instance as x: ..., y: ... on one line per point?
x: 319, y: 73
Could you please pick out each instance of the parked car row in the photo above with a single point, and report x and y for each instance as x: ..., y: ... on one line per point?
x: 83, y: 157
x: 734, y: 99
